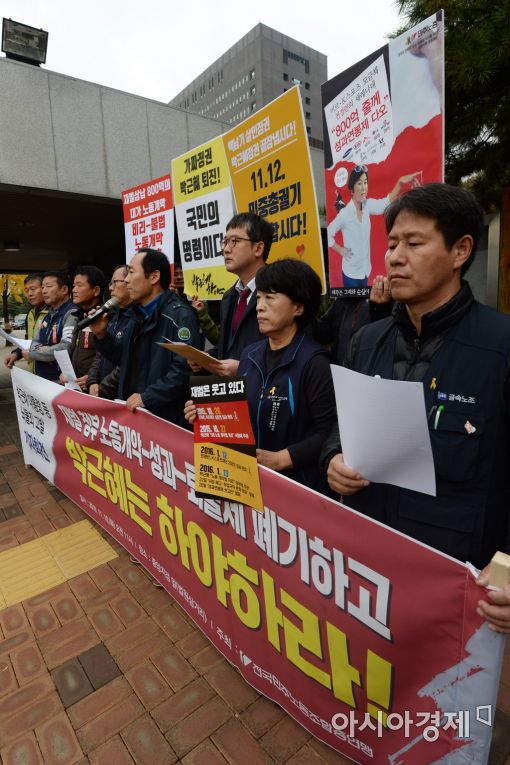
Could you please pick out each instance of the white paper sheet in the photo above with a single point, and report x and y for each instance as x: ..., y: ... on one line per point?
x: 63, y: 360
x: 19, y: 341
x: 383, y: 430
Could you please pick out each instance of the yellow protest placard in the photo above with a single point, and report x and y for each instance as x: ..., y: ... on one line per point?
x: 269, y: 161
x: 203, y: 207
x: 228, y: 473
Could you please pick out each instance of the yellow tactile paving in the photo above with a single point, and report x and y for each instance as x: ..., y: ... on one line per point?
x: 78, y: 548
x: 26, y: 571
x: 43, y: 563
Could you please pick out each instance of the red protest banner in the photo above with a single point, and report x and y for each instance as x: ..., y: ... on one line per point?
x: 367, y: 638
x: 148, y: 217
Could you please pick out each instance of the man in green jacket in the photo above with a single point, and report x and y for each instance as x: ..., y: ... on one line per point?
x: 33, y: 293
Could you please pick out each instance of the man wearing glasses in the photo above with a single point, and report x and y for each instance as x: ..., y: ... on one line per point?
x: 246, y: 247
x: 103, y: 374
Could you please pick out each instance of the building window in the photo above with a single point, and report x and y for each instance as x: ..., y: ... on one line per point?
x: 253, y: 106
x: 287, y: 54
x: 285, y: 76
x: 316, y: 143
x: 308, y: 129
x: 307, y: 101
x: 308, y: 115
x: 252, y: 74
x: 252, y: 90
x: 307, y: 86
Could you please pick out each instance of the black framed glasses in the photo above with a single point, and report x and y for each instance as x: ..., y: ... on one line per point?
x: 231, y: 241
x: 116, y: 281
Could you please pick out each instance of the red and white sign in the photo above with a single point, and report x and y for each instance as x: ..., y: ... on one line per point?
x: 367, y: 638
x: 383, y: 122
x: 149, y: 217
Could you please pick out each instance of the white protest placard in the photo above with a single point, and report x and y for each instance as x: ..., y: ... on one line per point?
x: 384, y: 431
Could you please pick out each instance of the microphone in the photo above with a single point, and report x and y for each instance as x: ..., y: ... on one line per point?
x: 111, y: 303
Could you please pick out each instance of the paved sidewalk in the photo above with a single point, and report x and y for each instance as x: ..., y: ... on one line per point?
x: 106, y: 669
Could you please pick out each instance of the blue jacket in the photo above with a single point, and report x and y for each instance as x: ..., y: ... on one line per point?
x: 116, y: 328
x: 55, y: 333
x: 280, y: 412
x: 158, y: 375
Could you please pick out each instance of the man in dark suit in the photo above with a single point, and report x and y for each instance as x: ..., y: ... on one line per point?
x: 246, y: 247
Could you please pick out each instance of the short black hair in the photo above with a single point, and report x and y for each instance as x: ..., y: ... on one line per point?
x: 355, y: 175
x: 95, y: 277
x: 121, y: 265
x: 156, y: 261
x: 295, y: 279
x: 455, y: 212
x: 33, y: 278
x: 62, y: 278
x: 257, y: 228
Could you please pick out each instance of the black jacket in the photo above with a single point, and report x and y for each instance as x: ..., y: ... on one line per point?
x: 461, y: 356
x: 84, y: 352
x: 102, y: 367
x: 344, y: 317
x: 158, y: 375
x: 231, y: 346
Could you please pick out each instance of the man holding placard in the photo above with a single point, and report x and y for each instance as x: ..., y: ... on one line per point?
x: 459, y: 350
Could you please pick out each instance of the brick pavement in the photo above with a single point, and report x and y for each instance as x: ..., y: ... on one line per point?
x: 106, y: 669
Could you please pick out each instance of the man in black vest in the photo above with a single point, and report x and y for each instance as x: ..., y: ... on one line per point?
x: 459, y: 349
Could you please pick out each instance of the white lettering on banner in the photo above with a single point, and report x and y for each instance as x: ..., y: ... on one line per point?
x: 282, y: 541
x: 284, y: 135
x: 135, y: 195
x: 248, y: 135
x: 251, y: 584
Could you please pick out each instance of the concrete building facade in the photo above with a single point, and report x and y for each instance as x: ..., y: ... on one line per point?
x: 258, y: 68
x: 67, y: 150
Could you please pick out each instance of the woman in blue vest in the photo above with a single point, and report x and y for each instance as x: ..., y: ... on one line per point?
x: 289, y: 385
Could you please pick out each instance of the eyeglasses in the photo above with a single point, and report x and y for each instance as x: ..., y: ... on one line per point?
x: 116, y: 281
x: 231, y: 241
x: 361, y: 169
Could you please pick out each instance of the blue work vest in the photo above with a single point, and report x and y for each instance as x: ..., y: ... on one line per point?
x: 278, y: 410
x: 464, y: 389
x: 50, y: 333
